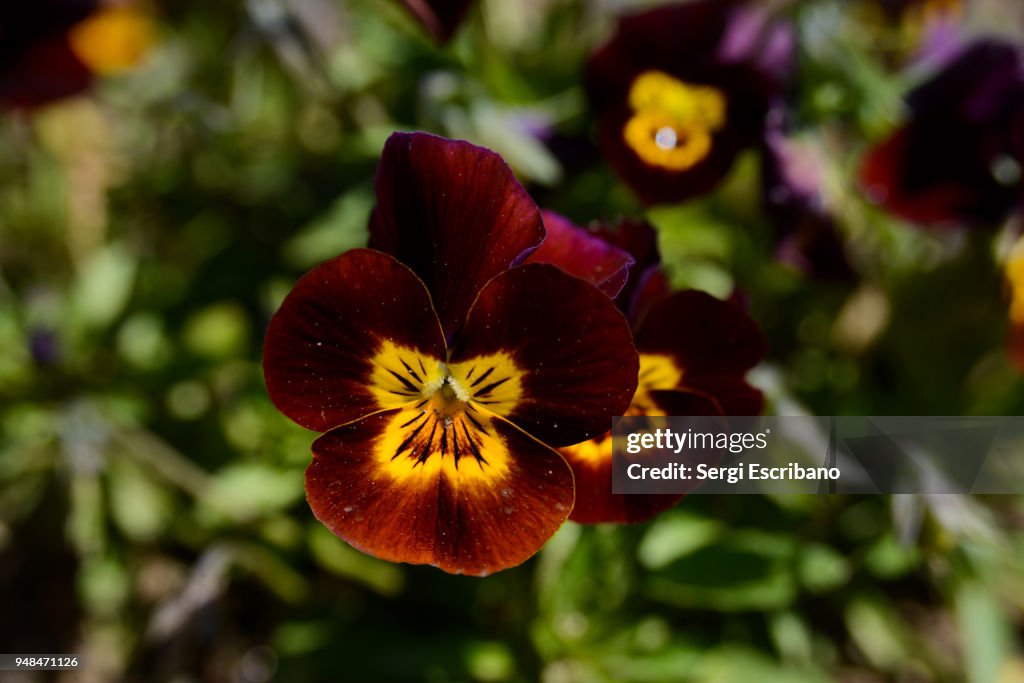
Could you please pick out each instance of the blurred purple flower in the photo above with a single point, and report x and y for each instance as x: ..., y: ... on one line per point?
x: 44, y: 345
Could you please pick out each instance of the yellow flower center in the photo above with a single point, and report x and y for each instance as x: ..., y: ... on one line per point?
x: 673, y: 122
x: 112, y: 39
x: 445, y: 410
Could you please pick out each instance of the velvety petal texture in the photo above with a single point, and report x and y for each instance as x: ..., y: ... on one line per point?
x: 957, y: 158
x: 440, y: 17
x: 579, y: 252
x: 682, y: 89
x: 351, y: 339
x: 455, y: 214
x: 702, y: 334
x: 467, y: 500
x: 570, y: 347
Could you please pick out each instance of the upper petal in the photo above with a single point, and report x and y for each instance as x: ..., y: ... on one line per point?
x: 455, y: 214
x: 565, y: 348
x: 468, y: 496
x: 586, y: 255
x: 702, y: 334
x: 356, y: 335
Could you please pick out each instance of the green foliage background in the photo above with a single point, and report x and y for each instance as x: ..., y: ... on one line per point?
x: 152, y: 514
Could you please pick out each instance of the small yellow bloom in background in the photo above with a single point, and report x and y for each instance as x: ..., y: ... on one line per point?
x: 1015, y: 278
x: 113, y: 39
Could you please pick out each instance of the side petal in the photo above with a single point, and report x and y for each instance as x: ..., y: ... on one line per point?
x: 357, y: 335
x: 440, y: 17
x: 416, y: 500
x: 455, y: 214
x: 566, y: 350
x: 703, y: 334
x: 579, y: 252
x: 592, y: 463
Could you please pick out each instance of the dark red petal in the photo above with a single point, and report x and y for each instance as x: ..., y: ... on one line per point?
x: 440, y: 17
x: 730, y: 391
x: 475, y: 515
x: 572, y: 350
x: 636, y: 236
x: 583, y: 254
x: 455, y: 214
x: 883, y: 176
x: 652, y: 287
x: 704, y: 335
x: 591, y: 463
x: 356, y: 335
x: 44, y: 71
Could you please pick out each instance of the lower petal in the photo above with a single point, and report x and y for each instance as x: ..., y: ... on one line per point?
x: 468, y: 493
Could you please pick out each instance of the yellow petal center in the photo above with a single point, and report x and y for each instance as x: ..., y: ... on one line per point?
x: 673, y: 122
x: 446, y: 412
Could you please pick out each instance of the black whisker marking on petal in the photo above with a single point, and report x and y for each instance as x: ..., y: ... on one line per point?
x: 418, y: 417
x: 408, y: 440
x: 473, y: 445
x: 400, y: 393
x: 484, y: 376
x: 469, y: 375
x: 492, y: 386
x: 425, y: 453
x: 422, y: 403
x: 455, y: 447
x: 408, y: 385
x: 411, y: 371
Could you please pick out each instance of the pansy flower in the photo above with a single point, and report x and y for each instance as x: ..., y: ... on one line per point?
x: 694, y: 352
x: 957, y: 158
x: 440, y: 17
x: 679, y: 91
x: 442, y: 370
x: 54, y: 48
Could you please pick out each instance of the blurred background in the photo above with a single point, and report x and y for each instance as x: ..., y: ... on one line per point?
x: 152, y: 512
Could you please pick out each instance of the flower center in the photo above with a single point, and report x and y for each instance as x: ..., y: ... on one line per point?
x: 673, y: 122
x: 446, y: 409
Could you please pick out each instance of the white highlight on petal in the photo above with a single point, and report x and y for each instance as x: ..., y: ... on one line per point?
x: 666, y: 138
